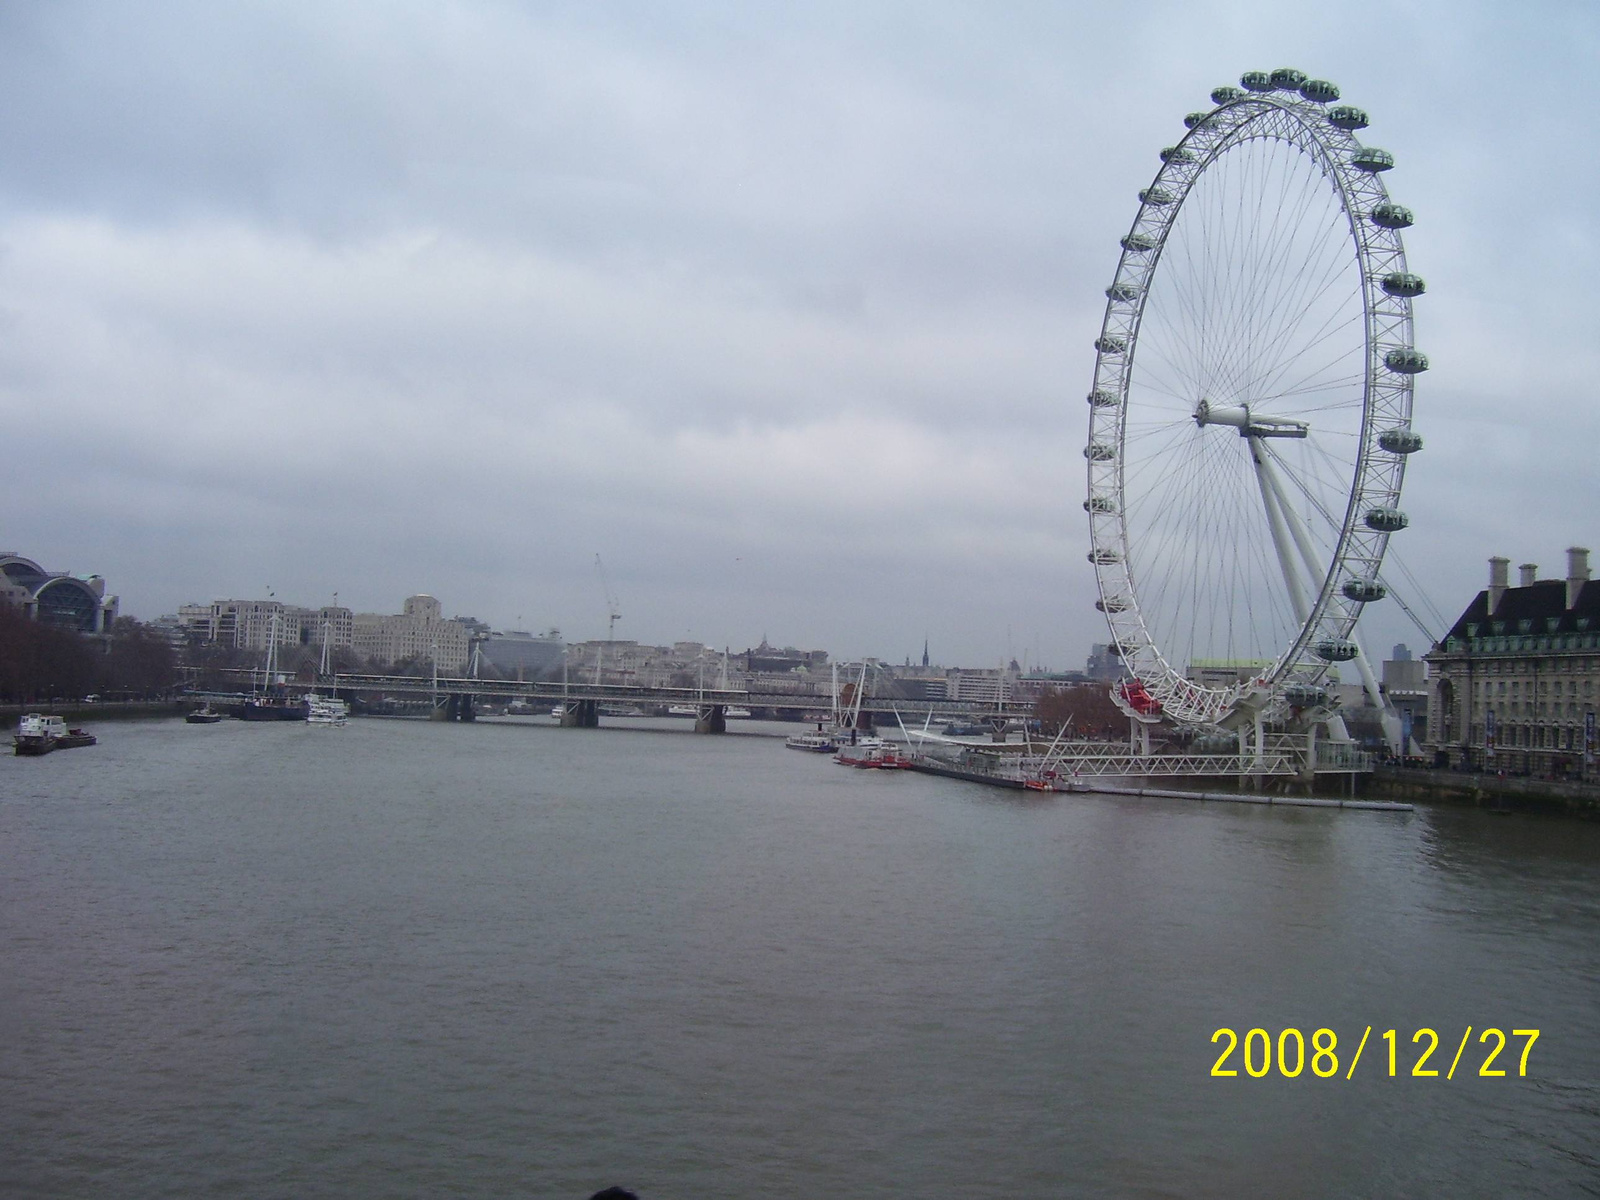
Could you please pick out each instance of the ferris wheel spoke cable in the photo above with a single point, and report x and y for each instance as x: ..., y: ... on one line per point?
x: 1175, y: 512
x: 1296, y: 264
x: 1164, y: 372
x: 1281, y: 343
x: 1164, y: 494
x: 1395, y: 594
x: 1330, y: 284
x: 1438, y: 619
x: 1294, y: 343
x: 1278, y: 337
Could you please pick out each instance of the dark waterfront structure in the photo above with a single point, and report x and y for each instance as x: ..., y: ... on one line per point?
x: 1513, y: 682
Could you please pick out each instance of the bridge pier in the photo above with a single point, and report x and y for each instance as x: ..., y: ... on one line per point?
x: 580, y: 714
x: 458, y: 706
x: 713, y: 718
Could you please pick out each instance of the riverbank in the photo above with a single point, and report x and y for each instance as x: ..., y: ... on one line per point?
x: 78, y: 713
x: 1496, y: 793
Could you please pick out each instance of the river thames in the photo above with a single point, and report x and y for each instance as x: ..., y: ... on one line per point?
x: 504, y: 959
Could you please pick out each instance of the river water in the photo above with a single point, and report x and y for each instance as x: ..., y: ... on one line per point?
x: 418, y: 960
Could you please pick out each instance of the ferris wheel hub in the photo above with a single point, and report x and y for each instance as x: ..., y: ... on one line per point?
x: 1239, y: 416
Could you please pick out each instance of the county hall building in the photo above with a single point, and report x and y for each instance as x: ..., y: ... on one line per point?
x: 1513, y: 684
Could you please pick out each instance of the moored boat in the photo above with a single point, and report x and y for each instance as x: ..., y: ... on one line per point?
x: 818, y: 742
x: 326, y: 710
x: 38, y: 734
x: 269, y: 708
x: 884, y: 756
x: 871, y: 752
x: 204, y: 715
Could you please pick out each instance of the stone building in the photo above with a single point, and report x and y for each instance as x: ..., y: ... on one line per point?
x: 251, y: 624
x: 1513, y: 684
x: 418, y: 631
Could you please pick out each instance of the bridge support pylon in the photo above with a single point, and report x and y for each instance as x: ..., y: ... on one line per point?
x: 712, y: 718
x: 580, y: 714
x: 457, y: 706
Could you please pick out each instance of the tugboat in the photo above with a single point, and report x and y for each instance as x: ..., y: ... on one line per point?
x: 204, y: 715
x: 39, y: 734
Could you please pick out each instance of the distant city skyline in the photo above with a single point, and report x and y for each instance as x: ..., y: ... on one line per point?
x: 785, y: 313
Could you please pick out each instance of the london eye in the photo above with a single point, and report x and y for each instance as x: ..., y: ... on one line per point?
x: 1250, y: 415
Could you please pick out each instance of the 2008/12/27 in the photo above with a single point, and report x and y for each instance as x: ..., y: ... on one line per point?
x: 1291, y: 1057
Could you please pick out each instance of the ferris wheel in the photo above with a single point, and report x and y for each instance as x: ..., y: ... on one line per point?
x: 1250, y: 418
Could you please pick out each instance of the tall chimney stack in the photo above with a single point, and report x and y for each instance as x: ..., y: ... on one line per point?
x: 1529, y: 573
x: 1577, y: 573
x: 1499, y: 579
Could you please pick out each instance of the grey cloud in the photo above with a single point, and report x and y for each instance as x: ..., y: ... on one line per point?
x: 785, y: 311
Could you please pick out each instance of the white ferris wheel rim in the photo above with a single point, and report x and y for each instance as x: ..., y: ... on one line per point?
x: 1352, y: 493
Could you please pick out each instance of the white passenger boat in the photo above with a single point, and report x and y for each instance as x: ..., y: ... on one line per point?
x: 326, y: 710
x: 818, y: 742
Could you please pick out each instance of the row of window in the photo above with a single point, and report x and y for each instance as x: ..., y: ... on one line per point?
x: 1505, y: 645
x: 1516, y: 708
x: 1549, y: 687
x: 1534, y: 737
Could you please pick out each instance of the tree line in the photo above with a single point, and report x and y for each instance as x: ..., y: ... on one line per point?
x: 41, y: 663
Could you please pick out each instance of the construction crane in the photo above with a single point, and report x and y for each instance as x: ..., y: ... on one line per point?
x: 611, y: 599
x: 611, y: 612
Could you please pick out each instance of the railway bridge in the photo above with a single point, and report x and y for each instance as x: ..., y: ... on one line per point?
x: 460, y: 698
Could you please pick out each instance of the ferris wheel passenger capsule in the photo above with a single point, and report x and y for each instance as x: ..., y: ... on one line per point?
x: 1392, y: 216
x: 1400, y: 441
x: 1139, y: 243
x: 1319, y: 91
x: 1404, y: 284
x: 1227, y: 94
x: 1100, y: 398
x: 1099, y: 504
x: 1177, y: 154
x: 1099, y: 452
x: 1365, y: 591
x: 1372, y: 160
x: 1107, y: 344
x: 1287, y: 79
x: 1193, y: 119
x: 1305, y: 695
x: 1336, y: 650
x: 1122, y: 291
x: 1159, y: 197
x: 1112, y: 605
x: 1256, y: 81
x: 1348, y: 117
x: 1104, y: 558
x: 1406, y: 360
x: 1386, y: 520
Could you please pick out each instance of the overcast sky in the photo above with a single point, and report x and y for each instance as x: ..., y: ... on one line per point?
x: 785, y: 311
